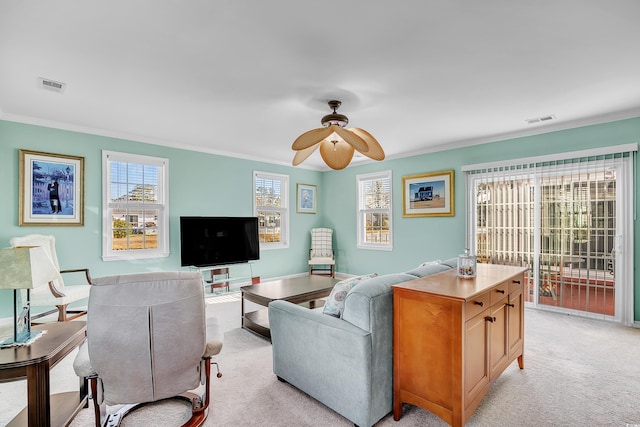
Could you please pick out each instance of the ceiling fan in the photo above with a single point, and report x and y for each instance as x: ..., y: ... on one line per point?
x: 336, y: 143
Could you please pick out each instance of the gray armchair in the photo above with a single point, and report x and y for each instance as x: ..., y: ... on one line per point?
x: 147, y: 340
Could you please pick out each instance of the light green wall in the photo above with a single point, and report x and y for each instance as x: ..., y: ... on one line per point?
x: 200, y: 184
x: 421, y: 239
x: 205, y: 184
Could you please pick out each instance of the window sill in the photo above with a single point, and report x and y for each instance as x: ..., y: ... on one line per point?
x: 135, y: 255
x: 376, y: 247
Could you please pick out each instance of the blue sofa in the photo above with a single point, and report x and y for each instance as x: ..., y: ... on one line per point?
x: 346, y: 363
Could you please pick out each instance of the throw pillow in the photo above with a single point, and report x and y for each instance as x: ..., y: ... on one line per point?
x: 334, y: 304
x: 424, y: 264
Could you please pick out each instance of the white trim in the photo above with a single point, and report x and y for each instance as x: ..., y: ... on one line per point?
x: 554, y: 157
x: 360, y: 243
x: 623, y: 245
x: 163, y: 220
x: 284, y: 209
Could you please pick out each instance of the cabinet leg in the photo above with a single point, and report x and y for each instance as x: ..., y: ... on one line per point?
x: 521, y: 361
x: 397, y: 409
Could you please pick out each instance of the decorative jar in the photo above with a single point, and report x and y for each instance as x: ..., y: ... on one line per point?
x: 466, y: 265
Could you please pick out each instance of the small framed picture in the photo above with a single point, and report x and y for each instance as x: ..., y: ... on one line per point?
x: 51, y: 189
x: 428, y: 194
x: 307, y: 196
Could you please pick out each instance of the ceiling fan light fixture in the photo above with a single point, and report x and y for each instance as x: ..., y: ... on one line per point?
x: 337, y: 145
x: 335, y: 118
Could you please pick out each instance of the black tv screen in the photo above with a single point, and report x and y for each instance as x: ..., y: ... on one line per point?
x: 208, y: 241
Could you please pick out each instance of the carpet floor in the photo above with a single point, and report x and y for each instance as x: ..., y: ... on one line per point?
x: 578, y: 372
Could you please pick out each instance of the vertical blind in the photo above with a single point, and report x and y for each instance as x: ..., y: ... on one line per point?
x: 558, y: 215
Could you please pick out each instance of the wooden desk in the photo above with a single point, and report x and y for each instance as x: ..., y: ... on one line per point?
x: 34, y: 362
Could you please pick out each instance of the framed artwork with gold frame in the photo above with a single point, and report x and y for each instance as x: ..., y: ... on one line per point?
x: 428, y: 194
x: 51, y: 189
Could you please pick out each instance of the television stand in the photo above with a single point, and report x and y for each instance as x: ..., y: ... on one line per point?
x: 226, y: 276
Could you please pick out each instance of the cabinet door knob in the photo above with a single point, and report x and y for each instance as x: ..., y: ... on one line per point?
x: 500, y: 291
x: 480, y: 303
x: 510, y: 305
x: 490, y: 319
x: 516, y: 281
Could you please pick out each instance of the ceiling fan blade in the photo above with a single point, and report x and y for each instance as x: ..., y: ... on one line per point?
x: 351, y: 138
x: 302, y: 155
x: 336, y: 155
x: 375, y: 149
x: 311, y: 137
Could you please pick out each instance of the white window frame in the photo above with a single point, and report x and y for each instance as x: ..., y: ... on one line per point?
x: 283, y: 209
x: 162, y: 207
x: 361, y: 211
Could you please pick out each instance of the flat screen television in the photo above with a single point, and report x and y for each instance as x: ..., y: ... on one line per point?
x: 210, y: 241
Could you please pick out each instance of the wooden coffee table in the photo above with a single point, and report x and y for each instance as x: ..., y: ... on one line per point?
x: 298, y: 290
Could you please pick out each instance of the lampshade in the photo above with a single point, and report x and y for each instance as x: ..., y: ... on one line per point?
x: 26, y: 268
x: 337, y: 144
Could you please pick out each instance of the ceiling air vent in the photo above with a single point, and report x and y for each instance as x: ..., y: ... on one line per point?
x: 541, y: 119
x: 51, y: 85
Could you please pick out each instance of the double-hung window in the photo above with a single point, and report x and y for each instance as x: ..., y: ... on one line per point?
x: 271, y: 206
x: 374, y: 211
x: 135, y: 206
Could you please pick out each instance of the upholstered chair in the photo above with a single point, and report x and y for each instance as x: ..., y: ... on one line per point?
x: 321, y: 256
x: 57, y: 293
x: 148, y: 340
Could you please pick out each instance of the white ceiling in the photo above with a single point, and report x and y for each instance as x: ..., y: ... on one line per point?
x: 245, y: 78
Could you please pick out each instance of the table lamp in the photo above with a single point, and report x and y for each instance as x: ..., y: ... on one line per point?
x: 24, y: 268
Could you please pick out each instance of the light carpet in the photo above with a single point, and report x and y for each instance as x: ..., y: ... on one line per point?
x: 578, y: 372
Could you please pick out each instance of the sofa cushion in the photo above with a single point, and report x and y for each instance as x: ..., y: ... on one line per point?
x: 334, y: 304
x: 428, y: 270
x: 451, y: 262
x: 424, y: 264
x: 369, y: 305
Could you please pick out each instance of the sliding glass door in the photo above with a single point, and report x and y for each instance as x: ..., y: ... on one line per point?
x: 563, y: 219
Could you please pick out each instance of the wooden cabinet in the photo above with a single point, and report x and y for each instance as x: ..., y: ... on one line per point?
x: 453, y: 338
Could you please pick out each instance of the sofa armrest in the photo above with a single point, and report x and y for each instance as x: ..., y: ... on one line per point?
x: 307, y: 341
x: 331, y: 360
x: 279, y: 310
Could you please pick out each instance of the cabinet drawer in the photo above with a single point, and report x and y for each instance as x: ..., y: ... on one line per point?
x: 515, y: 284
x: 476, y: 305
x: 499, y: 292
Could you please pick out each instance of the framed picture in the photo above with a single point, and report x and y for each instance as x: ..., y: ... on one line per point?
x: 307, y: 196
x: 428, y: 194
x: 51, y: 189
